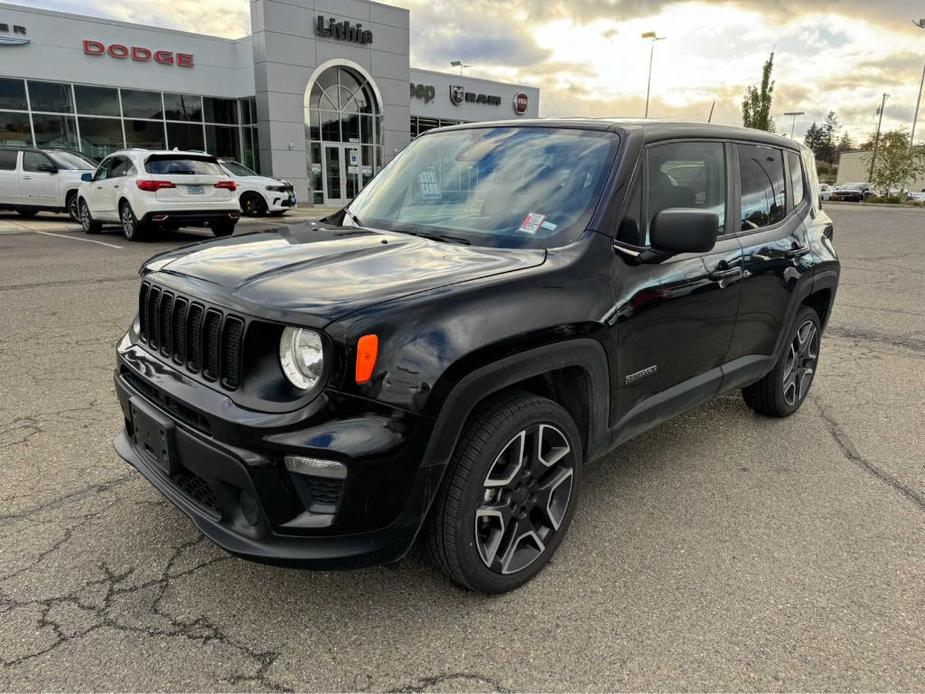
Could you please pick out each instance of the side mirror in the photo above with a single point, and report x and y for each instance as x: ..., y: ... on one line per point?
x: 684, y: 230
x: 87, y: 177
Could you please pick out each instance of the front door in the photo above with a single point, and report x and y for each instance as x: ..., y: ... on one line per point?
x: 674, y: 320
x: 39, y: 182
x: 340, y: 173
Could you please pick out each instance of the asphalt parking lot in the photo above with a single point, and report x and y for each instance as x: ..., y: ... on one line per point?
x: 720, y: 551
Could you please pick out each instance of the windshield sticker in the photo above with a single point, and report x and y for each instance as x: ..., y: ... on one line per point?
x: 549, y: 225
x: 531, y: 223
x: 430, y: 186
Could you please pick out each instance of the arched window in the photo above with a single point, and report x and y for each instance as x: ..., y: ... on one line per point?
x: 343, y: 132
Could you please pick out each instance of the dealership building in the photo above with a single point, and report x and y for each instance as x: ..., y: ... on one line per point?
x: 321, y: 92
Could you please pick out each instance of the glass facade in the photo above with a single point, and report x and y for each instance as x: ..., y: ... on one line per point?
x: 100, y: 120
x: 343, y: 135
x: 422, y: 125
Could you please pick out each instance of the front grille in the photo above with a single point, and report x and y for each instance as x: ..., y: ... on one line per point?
x: 198, y: 337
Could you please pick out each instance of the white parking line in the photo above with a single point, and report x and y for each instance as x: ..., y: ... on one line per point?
x: 74, y: 238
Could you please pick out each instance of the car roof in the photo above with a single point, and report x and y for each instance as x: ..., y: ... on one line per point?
x: 651, y: 129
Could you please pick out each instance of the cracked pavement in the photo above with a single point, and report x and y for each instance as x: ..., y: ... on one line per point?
x: 719, y: 551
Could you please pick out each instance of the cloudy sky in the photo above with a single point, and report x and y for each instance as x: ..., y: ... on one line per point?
x: 588, y: 58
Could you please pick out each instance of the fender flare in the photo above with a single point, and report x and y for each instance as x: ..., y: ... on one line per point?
x: 585, y: 353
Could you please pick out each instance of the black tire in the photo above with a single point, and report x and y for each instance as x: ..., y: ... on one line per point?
x: 783, y: 390
x: 132, y: 229
x: 73, y: 209
x: 28, y: 214
x: 89, y: 225
x: 253, y: 205
x: 475, y: 518
x: 222, y: 228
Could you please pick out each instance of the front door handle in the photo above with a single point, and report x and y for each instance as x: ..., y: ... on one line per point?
x: 116, y: 186
x: 726, y: 276
x: 797, y: 252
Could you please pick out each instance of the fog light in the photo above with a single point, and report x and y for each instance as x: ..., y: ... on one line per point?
x: 318, y: 467
x: 249, y: 508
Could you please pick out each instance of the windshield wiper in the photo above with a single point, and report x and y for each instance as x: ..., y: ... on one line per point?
x: 446, y: 238
x: 356, y: 220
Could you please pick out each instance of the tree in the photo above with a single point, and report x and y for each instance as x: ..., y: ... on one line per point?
x: 897, y: 163
x: 813, y: 137
x: 827, y: 146
x: 844, y: 143
x: 756, y: 105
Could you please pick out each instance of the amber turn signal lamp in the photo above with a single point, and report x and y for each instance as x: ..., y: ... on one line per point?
x: 367, y: 351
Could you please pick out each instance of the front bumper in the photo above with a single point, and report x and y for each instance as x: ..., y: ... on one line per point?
x: 241, y: 496
x: 279, y: 201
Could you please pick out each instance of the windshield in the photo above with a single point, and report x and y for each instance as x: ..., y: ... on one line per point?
x: 237, y: 169
x: 72, y: 160
x: 504, y: 186
x: 181, y: 165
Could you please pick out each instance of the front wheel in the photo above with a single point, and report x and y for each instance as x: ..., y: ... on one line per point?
x: 509, y: 495
x: 781, y: 392
x: 224, y: 227
x: 253, y: 205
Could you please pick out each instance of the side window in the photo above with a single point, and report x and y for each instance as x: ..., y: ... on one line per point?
x: 119, y: 167
x: 764, y: 201
x: 32, y: 161
x: 687, y: 174
x: 796, y: 177
x: 8, y: 159
x: 103, y: 171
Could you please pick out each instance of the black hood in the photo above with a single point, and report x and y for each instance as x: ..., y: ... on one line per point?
x: 326, y: 272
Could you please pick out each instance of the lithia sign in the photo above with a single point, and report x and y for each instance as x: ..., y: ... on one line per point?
x: 342, y: 31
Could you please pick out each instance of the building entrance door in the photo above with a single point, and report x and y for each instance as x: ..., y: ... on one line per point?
x: 341, y: 172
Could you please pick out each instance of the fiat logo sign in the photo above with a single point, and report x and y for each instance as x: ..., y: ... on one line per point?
x: 520, y: 103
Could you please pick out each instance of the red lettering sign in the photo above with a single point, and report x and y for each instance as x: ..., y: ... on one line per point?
x: 137, y: 53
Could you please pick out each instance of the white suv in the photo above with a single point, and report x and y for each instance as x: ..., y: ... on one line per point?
x: 35, y: 180
x: 259, y: 195
x: 141, y: 189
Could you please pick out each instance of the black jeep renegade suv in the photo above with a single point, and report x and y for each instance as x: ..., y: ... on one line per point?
x: 504, y: 303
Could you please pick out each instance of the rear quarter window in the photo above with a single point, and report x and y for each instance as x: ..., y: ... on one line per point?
x: 8, y: 159
x: 182, y: 166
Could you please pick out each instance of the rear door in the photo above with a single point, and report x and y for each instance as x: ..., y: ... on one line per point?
x: 770, y: 209
x: 9, y: 176
x: 39, y: 179
x: 675, y: 319
x: 116, y: 181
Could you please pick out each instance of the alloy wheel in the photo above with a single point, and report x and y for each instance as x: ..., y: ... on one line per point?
x: 801, y: 363
x: 73, y: 209
x: 85, y: 216
x: 525, y: 497
x: 128, y: 222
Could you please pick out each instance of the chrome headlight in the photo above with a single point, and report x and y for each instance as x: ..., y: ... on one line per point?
x: 301, y: 355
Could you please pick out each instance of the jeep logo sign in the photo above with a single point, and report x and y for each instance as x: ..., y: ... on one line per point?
x: 520, y: 103
x: 427, y: 92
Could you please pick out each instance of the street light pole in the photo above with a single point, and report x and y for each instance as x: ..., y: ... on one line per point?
x: 651, y: 35
x: 460, y: 64
x: 794, y: 124
x: 921, y: 25
x: 873, y: 158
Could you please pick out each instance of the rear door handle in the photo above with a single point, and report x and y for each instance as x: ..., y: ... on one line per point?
x: 797, y: 252
x: 726, y: 276
x: 27, y: 178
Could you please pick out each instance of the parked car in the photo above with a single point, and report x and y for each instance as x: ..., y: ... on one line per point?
x: 852, y: 192
x: 41, y: 180
x: 504, y: 304
x: 142, y: 189
x: 916, y: 196
x: 259, y: 195
x: 825, y: 191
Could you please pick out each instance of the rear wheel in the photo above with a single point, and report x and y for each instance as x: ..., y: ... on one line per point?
x: 73, y: 209
x: 224, y: 227
x: 131, y: 227
x: 26, y: 213
x: 90, y: 226
x: 781, y: 392
x: 253, y: 205
x: 509, y: 495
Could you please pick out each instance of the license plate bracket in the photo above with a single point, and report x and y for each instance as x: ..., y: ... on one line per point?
x: 194, y: 189
x: 153, y: 435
